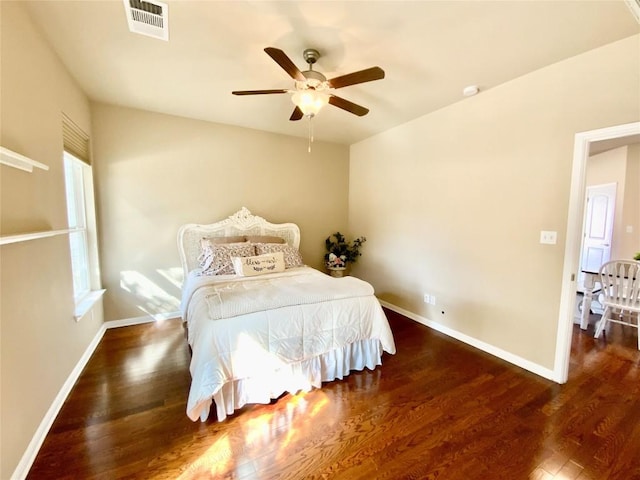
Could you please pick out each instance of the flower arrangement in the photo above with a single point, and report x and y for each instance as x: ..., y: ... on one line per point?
x: 340, y: 252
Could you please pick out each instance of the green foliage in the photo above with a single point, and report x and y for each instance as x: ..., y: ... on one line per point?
x: 637, y: 256
x: 344, y: 251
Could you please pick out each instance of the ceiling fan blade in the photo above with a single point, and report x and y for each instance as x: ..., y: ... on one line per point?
x: 348, y: 106
x: 258, y: 92
x: 367, y: 75
x: 285, y: 62
x: 296, y: 115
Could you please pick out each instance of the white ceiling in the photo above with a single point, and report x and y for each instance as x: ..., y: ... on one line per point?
x: 430, y: 50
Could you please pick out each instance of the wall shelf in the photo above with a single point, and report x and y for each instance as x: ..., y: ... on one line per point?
x: 13, y: 159
x: 24, y: 237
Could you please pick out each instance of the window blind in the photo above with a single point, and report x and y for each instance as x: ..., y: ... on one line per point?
x: 76, y: 141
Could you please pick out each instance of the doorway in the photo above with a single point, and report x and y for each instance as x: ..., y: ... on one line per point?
x: 624, y: 135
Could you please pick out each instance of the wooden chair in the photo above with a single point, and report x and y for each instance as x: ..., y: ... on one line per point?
x: 620, y: 281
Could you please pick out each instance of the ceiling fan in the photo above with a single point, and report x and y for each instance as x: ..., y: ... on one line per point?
x: 312, y: 90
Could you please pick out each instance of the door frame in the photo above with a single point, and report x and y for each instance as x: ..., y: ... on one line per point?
x: 575, y: 226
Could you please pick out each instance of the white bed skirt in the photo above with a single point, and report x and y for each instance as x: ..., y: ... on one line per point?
x: 292, y: 378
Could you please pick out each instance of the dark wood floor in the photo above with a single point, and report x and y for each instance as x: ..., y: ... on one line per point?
x: 436, y: 409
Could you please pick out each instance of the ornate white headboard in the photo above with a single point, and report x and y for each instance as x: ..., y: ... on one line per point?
x: 240, y: 223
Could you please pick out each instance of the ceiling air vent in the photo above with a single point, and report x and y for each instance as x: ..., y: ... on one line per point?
x: 634, y: 6
x: 149, y: 18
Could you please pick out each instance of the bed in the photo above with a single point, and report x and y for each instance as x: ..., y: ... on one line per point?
x: 261, y: 323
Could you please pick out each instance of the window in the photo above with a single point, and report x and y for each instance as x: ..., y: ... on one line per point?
x: 76, y: 213
x: 78, y: 177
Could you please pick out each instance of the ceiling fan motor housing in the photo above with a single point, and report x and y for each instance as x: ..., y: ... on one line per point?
x: 315, y: 80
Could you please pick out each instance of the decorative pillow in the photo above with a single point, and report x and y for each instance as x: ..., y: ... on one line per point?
x: 216, y: 259
x: 259, y: 265
x: 292, y: 257
x: 264, y: 239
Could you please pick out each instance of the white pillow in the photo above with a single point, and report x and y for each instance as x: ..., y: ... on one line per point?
x: 259, y: 265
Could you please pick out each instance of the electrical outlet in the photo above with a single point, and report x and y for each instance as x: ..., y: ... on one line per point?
x: 548, y: 237
x: 430, y: 299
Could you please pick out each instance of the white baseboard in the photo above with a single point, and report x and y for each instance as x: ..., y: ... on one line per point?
x: 127, y: 322
x: 474, y: 342
x: 33, y: 448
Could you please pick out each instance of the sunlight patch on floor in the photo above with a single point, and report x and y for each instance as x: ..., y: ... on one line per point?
x: 212, y: 463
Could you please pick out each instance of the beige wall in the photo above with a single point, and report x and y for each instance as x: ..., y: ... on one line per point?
x: 40, y: 341
x: 630, y: 236
x: 156, y: 172
x: 453, y: 202
x: 622, y: 167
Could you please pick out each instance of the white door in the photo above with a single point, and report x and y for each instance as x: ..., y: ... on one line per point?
x: 598, y: 228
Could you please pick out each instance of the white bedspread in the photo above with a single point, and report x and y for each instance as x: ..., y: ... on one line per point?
x: 251, y: 331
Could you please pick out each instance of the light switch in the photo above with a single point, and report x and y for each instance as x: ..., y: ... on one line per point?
x: 548, y: 237
x: 629, y: 229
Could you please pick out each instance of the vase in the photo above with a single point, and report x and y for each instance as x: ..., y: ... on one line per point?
x: 337, y: 271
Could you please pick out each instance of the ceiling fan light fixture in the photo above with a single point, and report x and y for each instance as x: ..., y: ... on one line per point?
x: 310, y: 101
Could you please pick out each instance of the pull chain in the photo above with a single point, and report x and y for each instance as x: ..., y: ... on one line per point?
x: 310, y: 133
